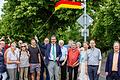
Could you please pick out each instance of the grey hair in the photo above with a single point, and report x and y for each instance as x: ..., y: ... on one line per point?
x: 116, y: 42
x: 79, y: 43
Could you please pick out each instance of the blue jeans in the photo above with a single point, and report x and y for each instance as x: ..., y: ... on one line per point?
x: 42, y: 72
x: 92, y: 72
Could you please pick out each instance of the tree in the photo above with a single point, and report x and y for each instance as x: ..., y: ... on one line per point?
x: 23, y: 19
x: 26, y: 18
x: 107, y: 27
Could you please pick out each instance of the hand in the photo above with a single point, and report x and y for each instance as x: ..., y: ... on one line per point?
x: 36, y: 38
x: 44, y: 58
x: 8, y: 37
x: 63, y: 63
x: 17, y: 62
x: 57, y: 58
x: 86, y: 72
x: 106, y: 73
x: 18, y: 69
x: 39, y: 64
x: 30, y: 65
x: 79, y: 70
x: 3, y: 37
x: 98, y: 72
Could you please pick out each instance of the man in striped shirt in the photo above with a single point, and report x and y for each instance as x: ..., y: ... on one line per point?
x: 94, y: 61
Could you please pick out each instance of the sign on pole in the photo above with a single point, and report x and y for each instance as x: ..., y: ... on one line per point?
x: 89, y: 20
x: 84, y: 32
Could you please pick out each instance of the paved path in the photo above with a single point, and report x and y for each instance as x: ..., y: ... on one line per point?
x: 102, y: 78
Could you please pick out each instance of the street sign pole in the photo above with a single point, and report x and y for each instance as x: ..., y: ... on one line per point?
x: 85, y: 21
x: 85, y: 27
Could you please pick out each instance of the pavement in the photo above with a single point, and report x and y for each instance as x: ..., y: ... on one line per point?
x: 102, y: 78
x: 102, y: 75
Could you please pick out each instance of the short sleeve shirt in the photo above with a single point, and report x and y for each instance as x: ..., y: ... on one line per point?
x: 94, y: 56
x: 34, y: 58
x: 64, y: 53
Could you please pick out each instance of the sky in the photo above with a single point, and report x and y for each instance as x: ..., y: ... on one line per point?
x: 1, y: 5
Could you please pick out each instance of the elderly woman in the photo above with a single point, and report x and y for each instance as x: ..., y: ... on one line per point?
x: 73, y: 61
x: 78, y: 46
x: 63, y: 60
x: 12, y: 61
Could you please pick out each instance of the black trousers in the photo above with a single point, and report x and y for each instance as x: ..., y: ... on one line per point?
x: 113, y: 76
x: 70, y: 70
x: 92, y: 72
x: 63, y: 71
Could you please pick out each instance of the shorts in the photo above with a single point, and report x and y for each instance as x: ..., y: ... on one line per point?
x: 34, y: 68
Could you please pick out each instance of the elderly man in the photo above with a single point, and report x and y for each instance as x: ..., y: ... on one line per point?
x: 112, y: 68
x: 94, y: 61
x: 43, y: 66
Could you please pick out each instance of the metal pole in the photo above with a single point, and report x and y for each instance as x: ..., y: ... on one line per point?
x: 85, y: 30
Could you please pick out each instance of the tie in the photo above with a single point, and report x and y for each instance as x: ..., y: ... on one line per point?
x: 53, y: 52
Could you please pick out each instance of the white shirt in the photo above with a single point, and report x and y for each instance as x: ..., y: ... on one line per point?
x: 51, y: 52
x: 64, y: 53
x: 12, y: 57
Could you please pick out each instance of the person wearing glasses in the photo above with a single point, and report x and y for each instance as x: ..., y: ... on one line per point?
x: 52, y: 56
x: 112, y: 67
x: 24, y: 62
x: 73, y: 61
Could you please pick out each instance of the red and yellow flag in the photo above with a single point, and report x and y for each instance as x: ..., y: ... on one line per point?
x: 68, y: 4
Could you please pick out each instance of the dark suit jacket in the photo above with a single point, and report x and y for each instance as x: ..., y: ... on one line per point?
x: 109, y: 63
x: 47, y: 53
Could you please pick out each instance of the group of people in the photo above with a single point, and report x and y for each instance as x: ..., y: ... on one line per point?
x: 56, y: 61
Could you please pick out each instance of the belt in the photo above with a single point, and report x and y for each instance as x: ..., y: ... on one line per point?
x: 52, y: 60
x: 93, y: 65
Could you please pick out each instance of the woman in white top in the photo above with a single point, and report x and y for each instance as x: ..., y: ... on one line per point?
x: 24, y: 62
x: 83, y: 74
x: 12, y: 61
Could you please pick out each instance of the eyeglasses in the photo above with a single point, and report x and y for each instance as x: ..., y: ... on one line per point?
x: 23, y: 46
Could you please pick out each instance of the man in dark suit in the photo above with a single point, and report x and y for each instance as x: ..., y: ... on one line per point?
x: 43, y: 66
x: 112, y: 68
x: 52, y: 56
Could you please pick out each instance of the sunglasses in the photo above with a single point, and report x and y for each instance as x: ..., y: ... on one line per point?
x: 23, y: 46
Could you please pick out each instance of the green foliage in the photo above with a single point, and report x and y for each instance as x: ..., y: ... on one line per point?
x: 107, y: 27
x: 23, y: 19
